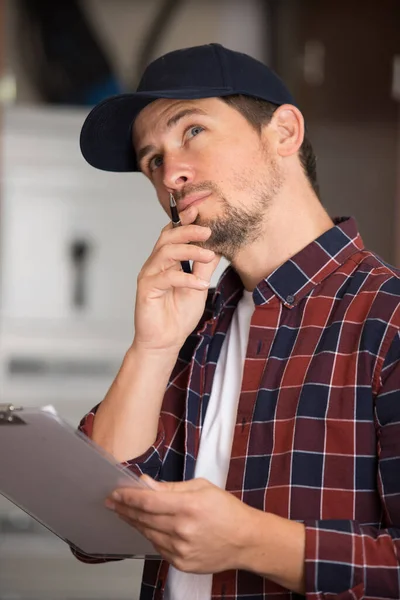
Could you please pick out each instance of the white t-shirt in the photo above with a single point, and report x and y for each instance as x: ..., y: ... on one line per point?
x: 217, y: 434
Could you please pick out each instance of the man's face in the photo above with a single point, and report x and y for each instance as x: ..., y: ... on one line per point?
x: 206, y: 153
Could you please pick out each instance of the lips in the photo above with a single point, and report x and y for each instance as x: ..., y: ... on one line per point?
x: 191, y: 199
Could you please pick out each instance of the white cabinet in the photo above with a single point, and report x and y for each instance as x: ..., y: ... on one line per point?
x: 52, y: 200
x: 52, y: 348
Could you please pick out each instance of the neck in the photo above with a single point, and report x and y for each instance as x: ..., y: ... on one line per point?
x: 292, y: 222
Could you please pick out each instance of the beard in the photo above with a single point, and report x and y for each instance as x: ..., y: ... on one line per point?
x: 237, y: 227
x: 231, y: 231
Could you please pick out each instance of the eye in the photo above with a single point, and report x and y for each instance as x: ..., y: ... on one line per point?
x: 194, y: 130
x: 155, y: 162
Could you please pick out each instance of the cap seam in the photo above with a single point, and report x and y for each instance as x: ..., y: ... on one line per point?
x: 218, y: 54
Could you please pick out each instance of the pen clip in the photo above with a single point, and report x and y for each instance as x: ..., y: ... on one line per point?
x: 174, y: 211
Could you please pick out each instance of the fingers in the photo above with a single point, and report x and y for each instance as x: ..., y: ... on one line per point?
x: 167, y: 500
x: 133, y: 502
x: 162, y: 271
x: 175, y: 486
x: 173, y: 247
x: 188, y: 215
x: 149, y: 481
x: 182, y: 235
x: 172, y: 254
x: 145, y: 521
x: 161, y: 282
x: 188, y: 233
x: 204, y: 270
x: 161, y: 540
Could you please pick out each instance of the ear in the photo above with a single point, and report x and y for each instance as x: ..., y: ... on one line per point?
x: 288, y: 123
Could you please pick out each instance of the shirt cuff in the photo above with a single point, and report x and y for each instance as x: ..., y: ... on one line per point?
x: 347, y: 561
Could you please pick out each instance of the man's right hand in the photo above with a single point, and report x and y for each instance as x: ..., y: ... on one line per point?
x: 169, y: 305
x: 169, y: 302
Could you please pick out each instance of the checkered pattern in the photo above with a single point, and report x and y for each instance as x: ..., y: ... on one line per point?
x: 317, y: 434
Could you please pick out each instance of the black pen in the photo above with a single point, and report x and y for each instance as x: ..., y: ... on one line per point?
x: 176, y: 222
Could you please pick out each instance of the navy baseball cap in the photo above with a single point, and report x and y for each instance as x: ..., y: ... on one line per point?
x: 207, y: 71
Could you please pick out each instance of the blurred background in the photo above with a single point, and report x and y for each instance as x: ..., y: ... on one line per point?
x: 72, y: 239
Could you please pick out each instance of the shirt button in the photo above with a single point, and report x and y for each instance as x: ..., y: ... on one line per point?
x: 290, y: 299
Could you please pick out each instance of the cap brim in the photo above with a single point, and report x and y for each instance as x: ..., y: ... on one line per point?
x: 106, y: 136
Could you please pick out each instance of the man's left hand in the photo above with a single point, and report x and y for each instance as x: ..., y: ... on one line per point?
x: 194, y: 525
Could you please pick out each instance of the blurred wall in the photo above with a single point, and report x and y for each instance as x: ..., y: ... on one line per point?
x: 121, y: 26
x: 338, y: 57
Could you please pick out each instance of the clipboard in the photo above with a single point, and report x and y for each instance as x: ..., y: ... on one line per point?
x: 61, y: 478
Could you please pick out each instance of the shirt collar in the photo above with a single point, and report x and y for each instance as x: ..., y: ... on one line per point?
x: 293, y: 280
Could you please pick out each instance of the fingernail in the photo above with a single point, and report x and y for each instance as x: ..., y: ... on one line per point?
x: 204, y: 283
x: 110, y: 505
x: 116, y: 496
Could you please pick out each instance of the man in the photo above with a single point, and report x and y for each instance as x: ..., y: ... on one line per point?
x: 265, y: 414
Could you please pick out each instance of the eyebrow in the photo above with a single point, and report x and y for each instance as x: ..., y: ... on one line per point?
x: 170, y: 123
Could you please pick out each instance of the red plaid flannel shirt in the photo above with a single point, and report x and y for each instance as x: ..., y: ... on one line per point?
x: 317, y: 434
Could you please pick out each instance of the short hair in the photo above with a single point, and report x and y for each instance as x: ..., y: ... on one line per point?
x: 258, y: 113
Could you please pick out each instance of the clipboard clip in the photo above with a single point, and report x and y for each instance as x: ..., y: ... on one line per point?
x: 8, y: 416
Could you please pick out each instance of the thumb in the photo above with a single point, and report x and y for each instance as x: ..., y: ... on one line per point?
x: 153, y: 484
x: 206, y: 270
x: 173, y: 486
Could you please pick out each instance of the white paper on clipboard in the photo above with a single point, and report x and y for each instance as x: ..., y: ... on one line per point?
x: 61, y: 478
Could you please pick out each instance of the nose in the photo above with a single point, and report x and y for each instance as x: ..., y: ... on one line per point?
x: 176, y: 172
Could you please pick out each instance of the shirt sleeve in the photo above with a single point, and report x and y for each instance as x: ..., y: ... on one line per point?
x: 149, y: 462
x: 345, y: 559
